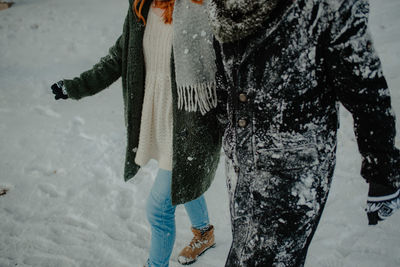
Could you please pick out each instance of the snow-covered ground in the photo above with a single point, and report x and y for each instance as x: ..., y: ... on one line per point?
x: 62, y: 161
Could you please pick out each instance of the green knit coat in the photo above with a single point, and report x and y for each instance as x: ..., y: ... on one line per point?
x: 196, y: 138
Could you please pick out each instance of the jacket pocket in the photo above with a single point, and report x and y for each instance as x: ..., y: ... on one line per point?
x: 286, y: 151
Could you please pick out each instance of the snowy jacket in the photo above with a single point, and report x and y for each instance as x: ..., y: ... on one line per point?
x: 196, y: 139
x: 281, y: 86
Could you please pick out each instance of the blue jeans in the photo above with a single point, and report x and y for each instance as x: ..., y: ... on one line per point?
x: 161, y: 216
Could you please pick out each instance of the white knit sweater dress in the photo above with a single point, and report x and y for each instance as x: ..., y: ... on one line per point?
x: 155, y: 139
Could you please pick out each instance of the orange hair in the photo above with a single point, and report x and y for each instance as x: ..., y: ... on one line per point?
x: 167, y: 6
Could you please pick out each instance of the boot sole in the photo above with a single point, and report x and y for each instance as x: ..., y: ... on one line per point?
x: 193, y: 261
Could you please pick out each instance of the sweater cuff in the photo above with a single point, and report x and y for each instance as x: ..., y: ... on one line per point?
x: 71, y: 90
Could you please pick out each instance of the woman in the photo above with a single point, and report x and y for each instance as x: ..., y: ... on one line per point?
x: 169, y: 96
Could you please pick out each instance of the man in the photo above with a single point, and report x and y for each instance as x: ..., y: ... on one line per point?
x: 283, y: 65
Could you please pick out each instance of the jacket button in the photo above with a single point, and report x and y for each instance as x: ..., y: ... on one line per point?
x: 242, y: 123
x: 243, y: 98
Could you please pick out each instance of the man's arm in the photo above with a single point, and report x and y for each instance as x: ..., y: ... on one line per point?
x: 356, y: 76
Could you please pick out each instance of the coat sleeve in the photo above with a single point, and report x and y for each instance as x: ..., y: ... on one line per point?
x: 100, y: 76
x: 221, y: 82
x: 355, y: 74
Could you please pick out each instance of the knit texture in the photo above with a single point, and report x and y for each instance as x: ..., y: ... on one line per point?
x: 155, y: 139
x: 194, y: 57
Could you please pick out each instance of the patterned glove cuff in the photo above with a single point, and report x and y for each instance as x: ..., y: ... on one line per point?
x: 389, y: 198
x: 380, y: 207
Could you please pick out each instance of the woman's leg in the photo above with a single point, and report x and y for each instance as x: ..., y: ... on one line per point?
x: 198, y: 213
x: 203, y: 232
x: 161, y: 216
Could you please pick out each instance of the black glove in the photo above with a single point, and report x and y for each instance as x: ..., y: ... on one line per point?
x: 59, y: 90
x: 382, y: 202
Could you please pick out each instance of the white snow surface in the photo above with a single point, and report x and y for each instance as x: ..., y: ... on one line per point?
x: 62, y: 161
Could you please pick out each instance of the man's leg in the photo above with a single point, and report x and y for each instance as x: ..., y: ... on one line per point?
x: 274, y: 216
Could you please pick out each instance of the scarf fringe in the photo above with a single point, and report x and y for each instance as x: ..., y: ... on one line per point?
x: 199, y: 97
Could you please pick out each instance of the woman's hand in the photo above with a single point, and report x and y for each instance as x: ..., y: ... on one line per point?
x: 59, y: 90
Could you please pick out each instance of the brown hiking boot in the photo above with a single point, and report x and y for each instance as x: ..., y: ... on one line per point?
x: 199, y: 244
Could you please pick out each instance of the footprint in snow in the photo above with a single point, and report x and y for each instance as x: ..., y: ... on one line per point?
x: 46, y: 111
x: 46, y: 189
x: 333, y: 261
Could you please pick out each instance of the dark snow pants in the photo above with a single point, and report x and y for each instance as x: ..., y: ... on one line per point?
x: 274, y: 214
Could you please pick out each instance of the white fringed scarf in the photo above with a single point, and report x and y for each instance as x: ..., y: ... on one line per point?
x: 194, y: 57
